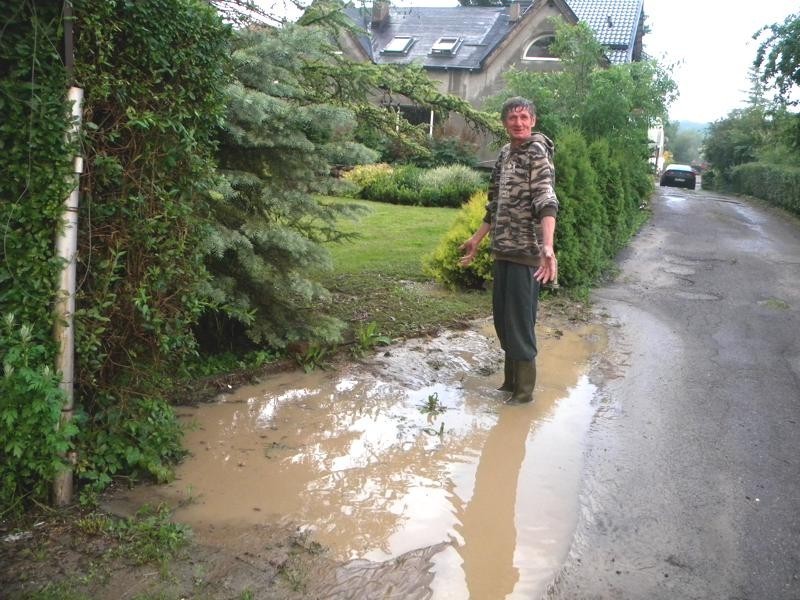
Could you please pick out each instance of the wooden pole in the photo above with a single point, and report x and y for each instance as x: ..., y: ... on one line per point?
x: 67, y: 250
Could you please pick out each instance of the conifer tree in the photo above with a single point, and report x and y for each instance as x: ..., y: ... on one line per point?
x: 277, y: 146
x: 292, y: 113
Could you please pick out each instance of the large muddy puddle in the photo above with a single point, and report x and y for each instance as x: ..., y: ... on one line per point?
x: 487, y: 491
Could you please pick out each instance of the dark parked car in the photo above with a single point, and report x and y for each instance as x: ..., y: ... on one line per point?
x: 679, y: 176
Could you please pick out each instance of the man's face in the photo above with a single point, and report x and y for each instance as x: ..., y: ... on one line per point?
x: 518, y: 124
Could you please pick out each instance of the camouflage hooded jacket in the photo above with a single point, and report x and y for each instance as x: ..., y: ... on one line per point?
x: 521, y: 192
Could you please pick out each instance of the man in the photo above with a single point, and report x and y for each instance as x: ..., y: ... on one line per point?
x: 521, y: 194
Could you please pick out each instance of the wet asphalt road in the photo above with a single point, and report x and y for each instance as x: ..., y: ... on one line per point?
x: 692, y: 476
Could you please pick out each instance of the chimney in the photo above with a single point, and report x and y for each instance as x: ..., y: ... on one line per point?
x: 514, y: 11
x: 380, y: 13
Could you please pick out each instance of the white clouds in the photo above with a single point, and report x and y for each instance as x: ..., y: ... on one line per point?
x: 710, y: 41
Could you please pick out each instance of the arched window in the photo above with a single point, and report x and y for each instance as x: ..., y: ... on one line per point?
x: 539, y: 49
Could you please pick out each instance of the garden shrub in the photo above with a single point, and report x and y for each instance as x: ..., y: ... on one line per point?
x: 410, y: 185
x: 456, y: 183
x: 637, y: 184
x: 366, y: 176
x: 709, y: 180
x: 443, y: 265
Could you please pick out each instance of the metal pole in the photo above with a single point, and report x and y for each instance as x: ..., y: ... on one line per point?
x: 67, y: 250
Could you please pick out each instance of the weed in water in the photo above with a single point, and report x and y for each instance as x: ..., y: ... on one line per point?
x: 295, y: 577
x: 189, y: 499
x: 432, y: 406
x: 94, y: 524
x: 315, y: 357
x: 777, y: 304
x: 367, y: 337
x: 150, y: 536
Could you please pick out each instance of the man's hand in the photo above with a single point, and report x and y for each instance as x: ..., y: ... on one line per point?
x: 470, y: 249
x: 548, y: 266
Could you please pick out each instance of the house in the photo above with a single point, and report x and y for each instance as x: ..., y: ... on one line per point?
x: 468, y: 48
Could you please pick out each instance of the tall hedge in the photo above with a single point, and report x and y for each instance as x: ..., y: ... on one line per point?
x: 582, y: 223
x: 153, y: 74
x: 778, y: 184
x: 35, y: 164
x: 611, y: 187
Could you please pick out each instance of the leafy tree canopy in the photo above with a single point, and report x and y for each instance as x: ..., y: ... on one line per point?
x: 778, y: 56
x: 619, y: 101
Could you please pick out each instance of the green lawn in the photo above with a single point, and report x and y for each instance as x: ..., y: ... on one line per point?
x: 378, y: 276
x: 392, y: 239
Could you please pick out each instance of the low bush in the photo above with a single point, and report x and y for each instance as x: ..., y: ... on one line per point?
x: 367, y: 176
x: 446, y: 186
x: 443, y: 265
x: 709, y: 180
x: 457, y: 182
x: 30, y: 406
x: 140, y: 438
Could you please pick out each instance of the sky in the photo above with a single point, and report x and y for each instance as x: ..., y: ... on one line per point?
x: 710, y: 42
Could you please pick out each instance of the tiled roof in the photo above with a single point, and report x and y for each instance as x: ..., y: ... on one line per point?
x: 619, y: 57
x: 481, y: 29
x: 614, y: 22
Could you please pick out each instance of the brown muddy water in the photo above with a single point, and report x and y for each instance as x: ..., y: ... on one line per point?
x: 486, y: 491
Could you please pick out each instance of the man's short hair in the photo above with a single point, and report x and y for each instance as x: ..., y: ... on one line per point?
x: 516, y: 103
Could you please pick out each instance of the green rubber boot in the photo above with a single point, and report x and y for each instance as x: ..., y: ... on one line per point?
x: 508, y: 376
x: 524, y: 381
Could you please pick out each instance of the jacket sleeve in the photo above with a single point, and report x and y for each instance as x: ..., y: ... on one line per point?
x: 542, y: 183
x: 491, y: 206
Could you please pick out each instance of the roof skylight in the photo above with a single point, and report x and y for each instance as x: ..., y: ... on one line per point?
x: 447, y: 46
x: 400, y: 44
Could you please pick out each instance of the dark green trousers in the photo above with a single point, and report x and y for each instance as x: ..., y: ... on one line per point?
x: 515, y: 298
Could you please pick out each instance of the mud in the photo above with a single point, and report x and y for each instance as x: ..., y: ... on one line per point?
x: 477, y: 499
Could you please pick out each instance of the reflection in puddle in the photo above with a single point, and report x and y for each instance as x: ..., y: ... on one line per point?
x: 352, y: 458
